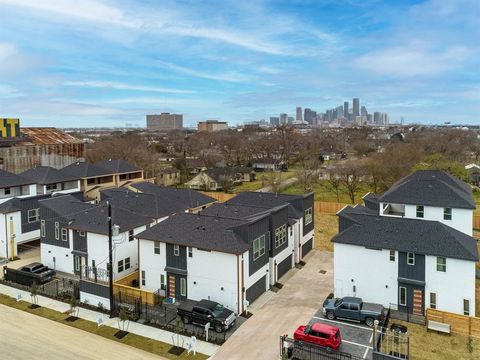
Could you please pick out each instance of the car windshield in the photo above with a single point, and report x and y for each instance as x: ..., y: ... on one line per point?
x: 308, y: 329
x: 217, y: 310
x: 338, y: 302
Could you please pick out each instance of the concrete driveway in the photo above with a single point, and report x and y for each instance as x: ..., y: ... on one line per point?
x: 294, y: 305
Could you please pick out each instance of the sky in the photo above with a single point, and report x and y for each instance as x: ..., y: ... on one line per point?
x: 70, y: 63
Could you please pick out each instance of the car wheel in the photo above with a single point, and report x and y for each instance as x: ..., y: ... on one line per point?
x: 369, y: 322
x: 330, y: 315
x: 219, y: 328
x: 186, y: 320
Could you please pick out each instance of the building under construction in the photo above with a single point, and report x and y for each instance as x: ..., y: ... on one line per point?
x: 24, y: 148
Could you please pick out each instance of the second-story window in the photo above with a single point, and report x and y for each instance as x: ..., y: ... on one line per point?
x: 57, y: 230
x: 258, y: 247
x: 156, y: 247
x: 308, y: 216
x: 410, y: 258
x: 280, y: 235
x: 42, y: 228
x: 64, y: 234
x: 447, y: 214
x: 33, y: 215
x: 130, y: 235
x: 441, y: 264
x: 190, y: 251
x: 7, y: 191
x: 392, y: 255
x: 420, y: 211
x: 176, y: 250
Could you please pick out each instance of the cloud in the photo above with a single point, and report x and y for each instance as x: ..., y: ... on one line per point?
x: 125, y: 86
x: 6, y: 51
x: 229, y: 76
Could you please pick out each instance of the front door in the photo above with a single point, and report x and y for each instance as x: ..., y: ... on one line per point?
x: 418, y: 302
x: 171, y: 286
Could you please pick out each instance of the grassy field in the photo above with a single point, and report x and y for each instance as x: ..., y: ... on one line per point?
x: 323, y: 192
x: 326, y: 226
x: 262, y: 181
x: 433, y: 346
x: 140, y: 342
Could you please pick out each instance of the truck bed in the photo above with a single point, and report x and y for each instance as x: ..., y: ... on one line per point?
x: 187, y: 305
x: 372, y: 308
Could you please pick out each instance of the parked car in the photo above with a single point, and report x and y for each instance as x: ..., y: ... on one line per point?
x: 353, y: 308
x: 206, y: 311
x: 319, y: 334
x: 29, y: 274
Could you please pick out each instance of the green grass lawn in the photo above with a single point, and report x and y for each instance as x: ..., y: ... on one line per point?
x: 263, y: 180
x: 140, y: 342
x: 326, y: 226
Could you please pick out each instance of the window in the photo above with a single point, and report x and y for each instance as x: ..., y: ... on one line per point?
x: 176, y: 250
x: 392, y: 255
x: 344, y: 306
x: 258, y: 247
x: 162, y: 282
x: 33, y: 215
x: 64, y: 234
x: 466, y: 307
x: 447, y: 214
x: 403, y: 296
x: 77, y: 263
x: 433, y: 300
x: 308, y: 216
x: 280, y: 236
x: 183, y: 287
x: 156, y: 247
x: 410, y: 258
x: 354, y: 307
x: 57, y: 230
x: 190, y: 251
x: 51, y: 187
x: 81, y: 233
x: 42, y: 228
x: 6, y: 191
x: 130, y: 235
x: 127, y: 263
x: 441, y: 264
x: 143, y: 278
x: 420, y: 211
x: 120, y: 266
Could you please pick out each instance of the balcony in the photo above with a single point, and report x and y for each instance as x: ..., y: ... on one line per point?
x: 397, y: 210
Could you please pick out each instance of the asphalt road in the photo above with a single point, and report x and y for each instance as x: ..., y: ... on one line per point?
x: 26, y: 336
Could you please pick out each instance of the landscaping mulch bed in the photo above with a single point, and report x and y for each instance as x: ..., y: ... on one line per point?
x: 176, y: 350
x: 35, y: 306
x: 246, y: 315
x: 121, y: 334
x: 71, y: 318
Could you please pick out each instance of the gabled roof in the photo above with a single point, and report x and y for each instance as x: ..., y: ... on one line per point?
x: 47, y: 175
x: 10, y: 206
x: 179, y: 198
x: 199, y: 231
x: 83, y: 170
x: 406, y: 235
x: 8, y: 179
x: 116, y: 166
x: 66, y: 205
x: 233, y: 211
x: 431, y: 188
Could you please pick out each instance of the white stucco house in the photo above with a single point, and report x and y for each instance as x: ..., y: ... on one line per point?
x: 410, y: 248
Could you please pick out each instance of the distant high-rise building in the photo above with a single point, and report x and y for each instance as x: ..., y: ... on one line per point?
x: 376, y: 118
x: 274, y: 120
x: 345, y: 109
x: 212, y: 125
x: 283, y: 119
x: 363, y: 111
x: 290, y: 119
x: 356, y: 107
x: 164, y: 121
x: 299, y: 114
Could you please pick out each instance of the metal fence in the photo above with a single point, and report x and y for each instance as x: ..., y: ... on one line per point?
x: 299, y: 350
x: 60, y: 289
x: 405, y: 313
x: 393, y: 343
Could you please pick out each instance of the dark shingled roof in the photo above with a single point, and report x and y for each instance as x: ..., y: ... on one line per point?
x: 65, y: 205
x: 406, y: 235
x: 199, y: 231
x: 430, y: 188
x: 178, y: 198
x: 232, y: 211
x: 47, y: 175
x: 8, y: 179
x: 10, y: 206
x: 82, y: 170
x: 116, y: 166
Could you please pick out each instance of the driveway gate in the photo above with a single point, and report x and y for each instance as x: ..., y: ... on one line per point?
x: 299, y: 350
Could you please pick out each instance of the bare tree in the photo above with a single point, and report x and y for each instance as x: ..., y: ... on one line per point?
x: 350, y: 174
x: 334, y: 183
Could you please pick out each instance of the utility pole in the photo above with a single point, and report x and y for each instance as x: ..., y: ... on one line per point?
x: 110, y: 256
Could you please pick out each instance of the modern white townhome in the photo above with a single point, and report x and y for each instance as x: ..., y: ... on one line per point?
x: 300, y: 216
x: 194, y: 256
x: 411, y: 248
x: 49, y: 180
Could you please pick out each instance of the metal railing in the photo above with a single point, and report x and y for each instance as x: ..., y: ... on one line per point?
x: 293, y: 349
x: 405, y: 313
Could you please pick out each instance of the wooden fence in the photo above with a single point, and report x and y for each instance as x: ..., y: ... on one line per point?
x: 476, y: 221
x: 124, y: 286
x: 460, y: 324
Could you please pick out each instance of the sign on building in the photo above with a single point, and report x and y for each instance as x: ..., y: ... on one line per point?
x: 9, y: 128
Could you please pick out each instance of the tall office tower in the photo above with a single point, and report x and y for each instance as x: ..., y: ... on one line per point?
x: 376, y: 118
x: 356, y: 107
x: 290, y: 119
x: 345, y: 109
x: 274, y: 120
x: 299, y: 114
x: 369, y: 118
x: 164, y: 121
x: 363, y: 111
x: 307, y: 115
x: 339, y: 112
x: 283, y: 119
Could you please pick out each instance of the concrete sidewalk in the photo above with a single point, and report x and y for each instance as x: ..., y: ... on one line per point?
x: 135, y: 328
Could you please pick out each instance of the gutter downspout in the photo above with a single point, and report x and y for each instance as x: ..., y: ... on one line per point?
x: 6, y: 237
x: 238, y: 285
x: 12, y: 238
x: 243, y: 285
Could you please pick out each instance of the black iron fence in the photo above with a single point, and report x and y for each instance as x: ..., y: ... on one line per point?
x: 299, y: 350
x: 60, y: 289
x: 405, y: 313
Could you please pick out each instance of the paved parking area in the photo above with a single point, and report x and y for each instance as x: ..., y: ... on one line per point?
x: 356, y: 337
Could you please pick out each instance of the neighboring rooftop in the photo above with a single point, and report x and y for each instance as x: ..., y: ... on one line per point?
x: 82, y: 170
x: 198, y: 231
x: 407, y: 235
x: 46, y: 136
x: 44, y: 175
x: 116, y: 166
x: 232, y: 211
x: 8, y: 179
x: 65, y: 205
x: 430, y: 188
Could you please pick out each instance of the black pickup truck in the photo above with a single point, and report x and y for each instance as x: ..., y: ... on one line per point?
x: 206, y: 311
x: 29, y: 274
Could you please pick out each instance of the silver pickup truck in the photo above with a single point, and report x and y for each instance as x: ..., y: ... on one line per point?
x: 353, y: 308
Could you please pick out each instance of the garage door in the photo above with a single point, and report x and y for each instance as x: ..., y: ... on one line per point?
x: 307, y: 247
x: 257, y: 289
x: 284, y: 266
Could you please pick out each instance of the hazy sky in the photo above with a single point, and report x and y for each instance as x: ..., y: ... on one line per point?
x: 105, y: 63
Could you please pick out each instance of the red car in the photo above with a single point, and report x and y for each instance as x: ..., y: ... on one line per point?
x: 319, y: 334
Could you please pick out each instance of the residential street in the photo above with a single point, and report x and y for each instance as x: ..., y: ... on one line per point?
x: 26, y: 336
x: 295, y: 304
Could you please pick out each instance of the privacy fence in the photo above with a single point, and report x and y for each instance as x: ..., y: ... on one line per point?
x: 459, y: 324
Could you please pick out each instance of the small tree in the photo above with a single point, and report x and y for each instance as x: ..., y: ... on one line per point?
x: 73, y: 306
x: 334, y: 183
x: 123, y: 321
x: 34, y: 293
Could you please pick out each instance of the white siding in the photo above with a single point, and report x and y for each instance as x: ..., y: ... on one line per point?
x: 153, y: 264
x: 452, y: 286
x: 372, y: 272
x: 56, y: 257
x: 94, y: 300
x: 5, y: 233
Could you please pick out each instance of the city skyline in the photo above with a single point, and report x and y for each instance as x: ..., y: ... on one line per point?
x: 105, y: 63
